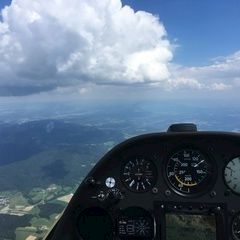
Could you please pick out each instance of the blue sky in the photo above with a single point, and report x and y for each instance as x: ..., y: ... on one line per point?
x: 4, y: 2
x: 205, y: 29
x: 46, y: 49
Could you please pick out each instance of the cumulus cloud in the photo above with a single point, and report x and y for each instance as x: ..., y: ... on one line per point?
x: 58, y: 43
x: 222, y: 74
x: 66, y: 46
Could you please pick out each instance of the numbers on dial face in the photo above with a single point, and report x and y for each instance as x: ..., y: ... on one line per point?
x: 135, y: 223
x: 188, y: 170
x: 236, y: 227
x: 139, y: 174
x: 232, y: 175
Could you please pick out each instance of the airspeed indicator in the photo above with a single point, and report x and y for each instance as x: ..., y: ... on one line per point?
x: 188, y: 171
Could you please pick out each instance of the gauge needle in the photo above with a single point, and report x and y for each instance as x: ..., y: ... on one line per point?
x: 199, y: 163
x: 178, y: 161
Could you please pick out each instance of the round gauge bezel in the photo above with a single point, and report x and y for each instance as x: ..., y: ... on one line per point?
x: 146, y: 158
x: 94, y: 207
x: 234, y: 218
x: 208, y: 183
x: 223, y: 174
x: 149, y: 212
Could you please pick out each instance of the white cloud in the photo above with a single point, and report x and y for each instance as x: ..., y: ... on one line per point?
x: 183, y: 82
x: 66, y: 46
x: 222, y: 74
x: 56, y: 43
x: 220, y: 86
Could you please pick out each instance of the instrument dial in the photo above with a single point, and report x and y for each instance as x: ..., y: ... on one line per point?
x: 236, y: 227
x: 95, y: 216
x: 189, y: 171
x: 135, y: 223
x: 232, y: 175
x: 139, y: 174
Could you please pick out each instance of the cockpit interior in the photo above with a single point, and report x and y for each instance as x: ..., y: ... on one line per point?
x: 177, y: 185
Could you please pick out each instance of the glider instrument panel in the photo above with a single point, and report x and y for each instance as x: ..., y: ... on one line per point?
x: 183, y: 184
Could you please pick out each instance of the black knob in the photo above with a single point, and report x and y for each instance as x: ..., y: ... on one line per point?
x: 92, y: 182
x: 114, y: 196
x: 101, y: 196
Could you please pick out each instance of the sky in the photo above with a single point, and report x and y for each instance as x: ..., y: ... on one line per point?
x: 203, y: 29
x: 140, y: 47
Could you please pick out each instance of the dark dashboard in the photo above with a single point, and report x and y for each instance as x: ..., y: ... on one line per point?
x: 182, y: 184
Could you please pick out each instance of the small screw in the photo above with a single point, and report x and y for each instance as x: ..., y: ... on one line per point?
x: 232, y: 212
x: 213, y: 194
x: 91, y: 181
x: 168, y: 192
x: 201, y: 207
x: 155, y: 190
x: 179, y: 207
